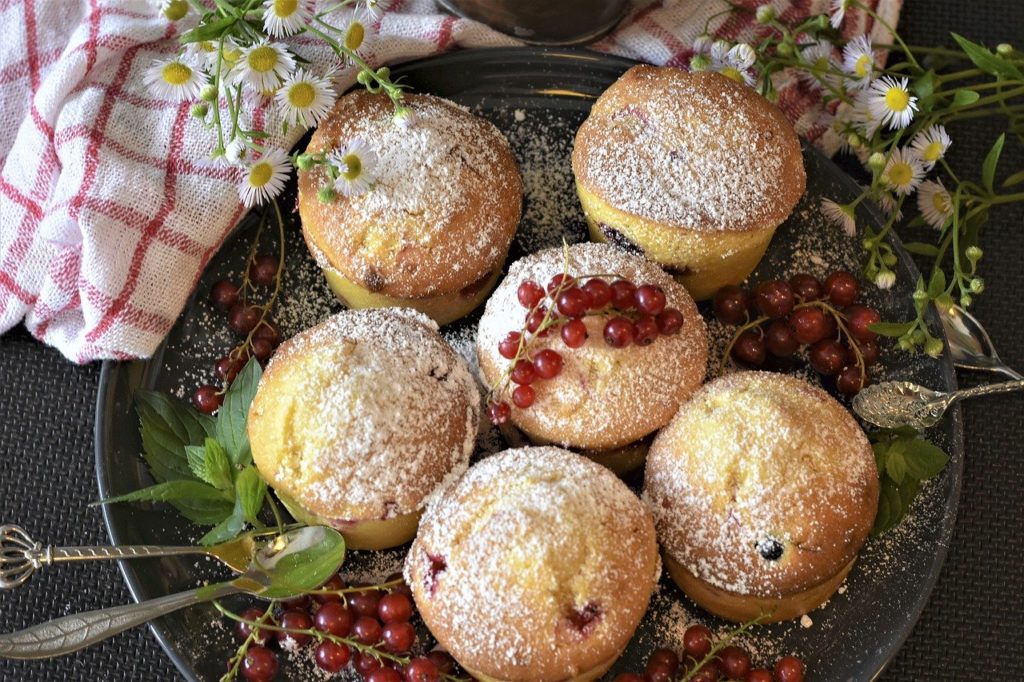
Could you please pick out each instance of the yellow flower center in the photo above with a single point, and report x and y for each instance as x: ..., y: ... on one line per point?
x: 932, y: 152
x: 863, y: 65
x: 176, y: 9
x: 262, y: 59
x: 733, y: 73
x: 821, y: 64
x: 900, y: 174
x: 897, y: 99
x: 301, y: 95
x: 354, y: 35
x: 940, y: 200
x: 260, y: 174
x: 353, y: 166
x: 176, y: 73
x: 285, y: 8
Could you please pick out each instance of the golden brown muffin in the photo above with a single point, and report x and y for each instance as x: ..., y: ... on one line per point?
x: 605, y: 399
x: 537, y: 565
x: 357, y: 421
x: 763, y: 489
x: 433, y: 231
x: 694, y: 170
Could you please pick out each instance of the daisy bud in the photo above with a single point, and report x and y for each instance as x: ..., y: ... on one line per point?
x: 176, y: 10
x: 821, y: 22
x: 977, y: 285
x: 889, y: 259
x: 884, y: 178
x: 765, y: 14
x: 965, y: 301
x: 933, y: 347
x: 326, y: 194
x: 877, y: 161
x: 885, y: 278
x: 1004, y: 49
x: 785, y: 49
x: 404, y: 117
x: 304, y: 162
x: 699, y: 62
x: 383, y: 73
x: 354, y: 35
x: 200, y: 110
x: 208, y: 93
x: 906, y: 345
x: 920, y: 295
x: 917, y: 338
x: 364, y: 78
x: 973, y: 254
x: 854, y: 140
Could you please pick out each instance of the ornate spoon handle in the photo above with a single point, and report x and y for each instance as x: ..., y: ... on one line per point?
x: 71, y: 633
x: 986, y: 389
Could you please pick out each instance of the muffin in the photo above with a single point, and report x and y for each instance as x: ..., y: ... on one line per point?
x: 605, y: 401
x: 434, y: 227
x: 763, y: 490
x: 694, y: 170
x: 359, y: 420
x: 537, y: 565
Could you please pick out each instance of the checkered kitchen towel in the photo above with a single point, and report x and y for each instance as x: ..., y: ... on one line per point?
x: 110, y: 206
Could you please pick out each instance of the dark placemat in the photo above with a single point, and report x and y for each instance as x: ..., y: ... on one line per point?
x: 971, y: 628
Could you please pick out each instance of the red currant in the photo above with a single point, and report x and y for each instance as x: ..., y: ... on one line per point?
x: 805, y: 287
x: 734, y: 662
x: 789, y: 669
x: 619, y: 332
x: 422, y: 670
x: 206, y: 399
x: 658, y: 672
x: 260, y: 664
x: 295, y: 620
x: 224, y: 295
x: 869, y: 351
x: 499, y: 413
x: 650, y: 299
x: 828, y: 357
x: 243, y: 630
x: 850, y: 381
x: 243, y: 318
x: 384, y: 675
x: 697, y: 641
x: 547, y: 363
x: 858, y: 320
x: 709, y: 672
x: 269, y: 331
x: 332, y: 657
x: 535, y: 319
x: 560, y: 281
x: 670, y: 321
x: 774, y: 299
x: 572, y: 302
x: 365, y: 664
x: 665, y: 657
x: 508, y: 347
x: 335, y: 618
x: 394, y: 607
x: 523, y: 396
x: 228, y: 368
x: 646, y: 330
x: 841, y: 288
x: 623, y: 294
x: 529, y: 293
x: 263, y: 269
x: 749, y: 348
x: 366, y: 630
x: 574, y: 333
x: 524, y: 372
x: 333, y: 584
x: 262, y: 350
x: 809, y: 324
x: 730, y: 304
x: 398, y: 637
x: 780, y: 340
x: 365, y: 602
x: 443, y: 660
x: 759, y: 675
x: 628, y: 677
x: 599, y: 292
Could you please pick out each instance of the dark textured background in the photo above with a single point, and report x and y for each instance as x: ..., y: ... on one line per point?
x: 972, y: 628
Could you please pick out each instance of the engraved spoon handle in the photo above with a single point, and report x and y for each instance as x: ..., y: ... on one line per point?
x: 987, y: 389
x: 71, y: 633
x: 53, y: 555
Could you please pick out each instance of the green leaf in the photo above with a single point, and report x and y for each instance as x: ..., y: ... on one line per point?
x: 988, y: 168
x: 210, y: 463
x: 226, y: 529
x: 985, y: 60
x: 890, y: 508
x: 167, y: 425
x: 208, y: 30
x: 895, y: 463
x: 250, y: 491
x: 925, y: 85
x: 924, y: 460
x: 1014, y: 179
x: 937, y: 284
x: 307, y: 569
x: 908, y: 491
x: 169, y: 491
x: 233, y: 414
x: 964, y: 97
x: 881, y: 450
x: 891, y: 329
x: 922, y: 249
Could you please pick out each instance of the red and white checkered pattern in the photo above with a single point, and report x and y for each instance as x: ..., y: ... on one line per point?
x: 110, y: 207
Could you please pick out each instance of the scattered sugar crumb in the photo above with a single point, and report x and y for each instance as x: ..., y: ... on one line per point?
x: 805, y: 621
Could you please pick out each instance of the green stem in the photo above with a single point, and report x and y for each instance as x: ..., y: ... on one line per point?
x: 896, y: 36
x: 959, y: 75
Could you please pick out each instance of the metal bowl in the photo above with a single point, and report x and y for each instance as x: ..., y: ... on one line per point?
x: 543, y: 22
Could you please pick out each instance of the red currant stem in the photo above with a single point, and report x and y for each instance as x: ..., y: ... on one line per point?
x: 369, y: 649
x: 254, y: 628
x: 840, y: 319
x: 750, y: 324
x: 724, y: 641
x: 382, y: 587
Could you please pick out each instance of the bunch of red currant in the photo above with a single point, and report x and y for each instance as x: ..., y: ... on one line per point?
x: 250, y: 321
x: 780, y: 317
x: 707, y: 661
x: 367, y: 627
x: 633, y: 315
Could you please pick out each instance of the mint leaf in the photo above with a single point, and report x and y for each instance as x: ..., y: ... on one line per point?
x: 985, y: 60
x: 168, y: 492
x: 210, y: 463
x: 924, y: 460
x: 228, y: 528
x: 250, y: 491
x: 890, y: 508
x: 233, y: 414
x: 988, y: 168
x: 895, y: 463
x: 307, y: 568
x: 167, y: 425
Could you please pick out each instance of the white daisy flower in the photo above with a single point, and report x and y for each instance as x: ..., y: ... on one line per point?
x: 891, y: 101
x: 176, y: 79
x: 371, y: 10
x: 203, y: 53
x: 284, y: 17
x: 931, y: 144
x: 305, y: 99
x: 885, y: 279
x: 887, y: 202
x: 703, y: 43
x: 935, y: 204
x: 818, y: 58
x: 264, y: 179
x: 838, y: 12
x: 263, y: 66
x: 734, y: 62
x: 862, y: 115
x: 904, y: 171
x: 237, y: 151
x: 859, y: 62
x: 355, y: 164
x: 840, y: 215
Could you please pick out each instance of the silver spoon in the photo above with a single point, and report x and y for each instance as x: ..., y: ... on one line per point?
x: 969, y: 343
x: 892, y: 404
x: 21, y: 556
x: 266, y: 577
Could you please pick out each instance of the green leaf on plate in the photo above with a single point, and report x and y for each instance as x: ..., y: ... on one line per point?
x: 167, y: 425
x: 250, y: 491
x: 895, y: 463
x: 231, y: 525
x: 988, y: 168
x: 170, y: 491
x: 233, y: 414
x: 923, y: 459
x: 891, y: 329
x: 890, y: 507
x: 986, y: 60
x: 210, y: 463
